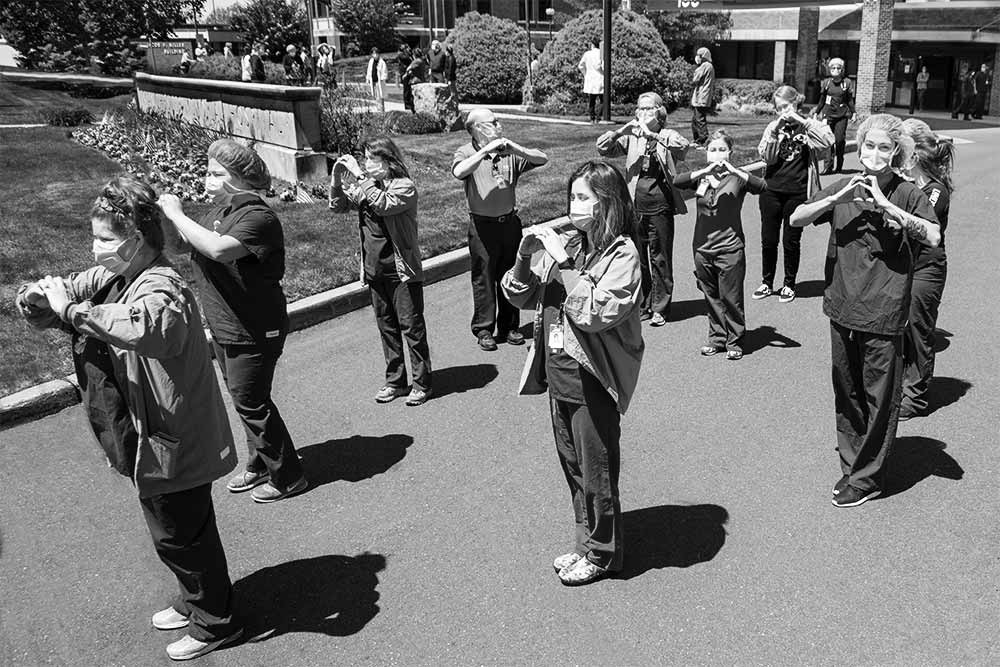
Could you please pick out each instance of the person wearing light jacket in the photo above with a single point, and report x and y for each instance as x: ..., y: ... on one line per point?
x: 376, y: 77
x: 702, y: 96
x: 151, y: 324
x: 585, y: 289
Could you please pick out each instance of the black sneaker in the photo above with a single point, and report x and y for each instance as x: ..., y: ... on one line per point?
x: 841, y: 483
x: 515, y: 338
x: 487, y: 342
x: 851, y: 496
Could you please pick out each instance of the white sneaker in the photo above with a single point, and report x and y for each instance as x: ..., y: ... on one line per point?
x: 169, y: 619
x: 786, y: 294
x: 564, y: 561
x: 761, y: 292
x: 189, y: 648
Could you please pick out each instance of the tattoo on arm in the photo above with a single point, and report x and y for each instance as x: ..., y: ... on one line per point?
x: 915, y: 229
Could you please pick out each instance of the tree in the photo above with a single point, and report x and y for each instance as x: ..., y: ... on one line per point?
x: 491, y: 57
x: 372, y: 23
x: 276, y: 23
x: 684, y: 32
x: 220, y: 15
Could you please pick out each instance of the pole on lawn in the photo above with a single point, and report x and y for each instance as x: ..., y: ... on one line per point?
x: 606, y: 112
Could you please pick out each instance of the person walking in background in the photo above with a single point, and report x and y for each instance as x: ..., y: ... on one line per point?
x: 186, y: 60
x: 416, y: 73
x: 450, y: 66
x: 591, y: 66
x: 404, y: 57
x: 227, y: 50
x: 652, y: 153
x: 702, y: 96
x: 836, y: 106
x: 238, y: 252
x: 257, y: 72
x: 137, y: 307
x: 386, y: 201
x: 490, y: 167
x: 326, y: 71
x: 874, y: 218
x: 923, y: 80
x: 965, y: 95
x: 375, y: 77
x: 719, y: 245
x: 308, y: 65
x: 930, y: 168
x: 246, y: 65
x: 294, y: 73
x: 585, y: 290
x: 982, y: 81
x: 791, y: 147
x: 436, y: 59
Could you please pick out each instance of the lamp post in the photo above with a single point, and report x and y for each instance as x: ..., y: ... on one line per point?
x: 528, y: 97
x: 550, y: 12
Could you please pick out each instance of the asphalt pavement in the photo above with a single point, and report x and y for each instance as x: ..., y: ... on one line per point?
x: 427, y: 534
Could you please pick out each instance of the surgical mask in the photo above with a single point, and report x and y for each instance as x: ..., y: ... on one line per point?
x: 874, y: 162
x: 582, y: 214
x: 109, y: 255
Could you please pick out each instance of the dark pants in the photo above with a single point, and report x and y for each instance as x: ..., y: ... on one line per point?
x: 656, y: 259
x: 186, y: 539
x: 699, y: 124
x: 980, y: 108
x: 918, y: 351
x: 720, y: 277
x: 249, y: 373
x: 399, y: 314
x: 407, y: 95
x: 493, y: 250
x: 588, y: 442
x: 592, y: 107
x: 839, y: 127
x: 867, y: 383
x: 775, y: 210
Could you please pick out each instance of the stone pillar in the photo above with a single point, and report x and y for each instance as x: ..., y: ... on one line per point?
x: 807, y: 48
x: 873, y: 59
x: 994, y: 101
x: 779, y: 62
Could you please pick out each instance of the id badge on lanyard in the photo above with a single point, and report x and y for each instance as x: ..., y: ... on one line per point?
x: 556, y: 333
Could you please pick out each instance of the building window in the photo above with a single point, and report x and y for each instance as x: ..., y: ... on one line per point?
x: 410, y: 7
x: 536, y: 9
x: 466, y: 6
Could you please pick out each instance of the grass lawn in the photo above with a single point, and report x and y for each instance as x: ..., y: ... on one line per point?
x: 20, y: 105
x: 50, y: 182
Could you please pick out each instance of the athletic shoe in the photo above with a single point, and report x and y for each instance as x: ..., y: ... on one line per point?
x: 566, y: 560
x: 851, y: 496
x: 169, y: 619
x: 709, y: 350
x: 657, y: 320
x: 841, y: 483
x: 247, y: 480
x: 762, y: 292
x: 907, y: 413
x: 189, y: 648
x: 786, y: 295
x: 734, y: 355
x: 418, y: 397
x: 582, y: 572
x: 269, y: 493
x: 387, y: 394
x: 515, y: 338
x: 645, y: 315
x: 487, y: 343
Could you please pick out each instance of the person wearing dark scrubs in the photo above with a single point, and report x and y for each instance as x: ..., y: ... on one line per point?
x: 930, y: 168
x: 875, y: 218
x: 836, y: 105
x: 239, y: 254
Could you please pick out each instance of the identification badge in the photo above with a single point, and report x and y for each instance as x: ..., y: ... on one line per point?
x: 555, y: 337
x: 829, y: 100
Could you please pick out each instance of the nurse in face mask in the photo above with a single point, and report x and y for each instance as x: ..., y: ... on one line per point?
x: 876, y: 220
x: 137, y: 320
x: 238, y: 251
x: 586, y: 289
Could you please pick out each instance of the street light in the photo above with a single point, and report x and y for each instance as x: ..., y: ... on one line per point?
x: 550, y: 12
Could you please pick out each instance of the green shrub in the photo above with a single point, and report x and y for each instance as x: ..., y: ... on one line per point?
x: 221, y: 68
x: 67, y: 116
x: 492, y: 60
x: 640, y: 61
x: 342, y: 125
x: 745, y: 91
x: 412, y: 123
x: 558, y: 108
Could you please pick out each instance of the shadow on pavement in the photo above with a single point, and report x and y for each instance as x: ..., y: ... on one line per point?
x: 944, y: 391
x: 330, y: 595
x: 809, y: 289
x: 766, y: 336
x: 459, y: 379
x: 671, y: 536
x: 685, y: 310
x: 942, y: 340
x: 915, y: 458
x: 352, y: 459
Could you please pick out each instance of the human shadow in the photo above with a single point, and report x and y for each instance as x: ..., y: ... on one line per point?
x: 943, y: 391
x: 460, y: 379
x: 330, y: 595
x: 810, y: 289
x: 766, y: 336
x: 352, y: 459
x: 942, y: 340
x: 915, y: 458
x: 671, y: 536
x: 685, y: 310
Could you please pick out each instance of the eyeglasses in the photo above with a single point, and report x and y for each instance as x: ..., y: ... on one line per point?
x: 646, y: 108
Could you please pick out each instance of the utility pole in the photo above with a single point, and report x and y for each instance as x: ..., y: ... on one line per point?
x: 529, y: 95
x: 607, y: 61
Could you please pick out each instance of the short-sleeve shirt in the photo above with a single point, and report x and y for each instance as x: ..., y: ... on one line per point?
x: 243, y: 300
x: 869, y: 265
x: 653, y: 188
x: 839, y: 98
x: 718, y: 227
x: 790, y: 173
x: 926, y: 257
x: 490, y: 188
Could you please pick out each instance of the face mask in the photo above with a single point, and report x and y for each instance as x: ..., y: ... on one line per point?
x: 874, y: 163
x: 109, y: 255
x: 581, y: 214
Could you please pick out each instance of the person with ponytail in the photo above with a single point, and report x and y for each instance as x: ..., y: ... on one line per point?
x: 152, y: 400
x: 791, y: 147
x: 876, y: 218
x: 585, y: 287
x: 719, y: 245
x: 930, y: 168
x: 238, y: 251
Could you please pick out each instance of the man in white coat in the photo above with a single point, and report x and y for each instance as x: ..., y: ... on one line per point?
x: 591, y: 65
x: 377, y: 73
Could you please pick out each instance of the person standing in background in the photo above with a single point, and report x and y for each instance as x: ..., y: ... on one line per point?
x: 375, y: 77
x: 450, y: 66
x: 923, y: 79
x: 702, y: 96
x: 436, y: 59
x: 982, y: 80
x: 591, y: 65
x: 836, y: 105
x: 404, y: 58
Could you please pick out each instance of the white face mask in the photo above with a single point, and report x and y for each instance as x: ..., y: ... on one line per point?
x: 109, y: 255
x: 582, y: 213
x: 874, y: 161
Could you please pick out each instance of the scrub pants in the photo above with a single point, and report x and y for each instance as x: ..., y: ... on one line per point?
x: 588, y: 443
x: 186, y: 539
x: 867, y: 383
x: 399, y: 314
x: 493, y: 250
x: 720, y: 277
x: 699, y: 125
x: 249, y: 373
x: 925, y: 299
x: 775, y: 211
x: 656, y: 260
x: 839, y: 127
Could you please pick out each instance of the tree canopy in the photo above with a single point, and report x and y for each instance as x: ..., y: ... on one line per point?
x: 372, y: 23
x: 275, y: 23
